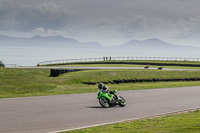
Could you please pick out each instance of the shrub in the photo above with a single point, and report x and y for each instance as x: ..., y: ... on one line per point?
x: 1, y: 64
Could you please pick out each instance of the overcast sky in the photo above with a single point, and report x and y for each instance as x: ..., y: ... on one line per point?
x: 109, y: 22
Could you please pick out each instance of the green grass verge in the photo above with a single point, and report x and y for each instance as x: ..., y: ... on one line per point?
x: 123, y: 65
x: 181, y: 123
x: 36, y: 82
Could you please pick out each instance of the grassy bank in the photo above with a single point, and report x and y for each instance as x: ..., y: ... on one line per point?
x: 181, y: 123
x: 108, y: 75
x: 123, y: 65
x: 36, y: 82
x: 133, y: 63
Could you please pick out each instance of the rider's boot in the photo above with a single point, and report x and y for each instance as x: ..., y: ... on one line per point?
x: 117, y: 97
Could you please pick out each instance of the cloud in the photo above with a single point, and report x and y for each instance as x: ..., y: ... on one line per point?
x: 189, y: 28
x: 94, y: 20
x: 42, y: 31
x: 39, y: 30
x: 23, y: 17
x: 144, y: 27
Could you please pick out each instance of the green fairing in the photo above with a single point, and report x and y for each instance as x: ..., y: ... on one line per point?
x: 109, y: 100
x: 106, y: 95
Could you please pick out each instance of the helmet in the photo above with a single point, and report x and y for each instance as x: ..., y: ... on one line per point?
x: 100, y: 85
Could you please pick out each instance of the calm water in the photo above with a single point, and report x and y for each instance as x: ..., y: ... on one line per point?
x: 31, y: 56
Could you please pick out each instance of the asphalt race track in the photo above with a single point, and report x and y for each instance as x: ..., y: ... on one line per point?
x: 65, y: 112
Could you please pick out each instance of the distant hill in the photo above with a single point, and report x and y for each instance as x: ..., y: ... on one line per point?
x: 155, y: 44
x: 152, y: 44
x: 47, y: 41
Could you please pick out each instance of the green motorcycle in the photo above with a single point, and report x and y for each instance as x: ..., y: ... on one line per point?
x: 108, y: 100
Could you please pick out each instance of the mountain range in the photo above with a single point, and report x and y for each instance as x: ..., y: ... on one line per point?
x: 47, y: 41
x: 152, y: 44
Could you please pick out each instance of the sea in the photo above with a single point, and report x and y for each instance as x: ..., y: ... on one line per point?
x: 31, y: 56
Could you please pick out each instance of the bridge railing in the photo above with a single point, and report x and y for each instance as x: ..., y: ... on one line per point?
x: 116, y: 59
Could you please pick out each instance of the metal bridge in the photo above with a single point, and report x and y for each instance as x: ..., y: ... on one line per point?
x: 117, y: 59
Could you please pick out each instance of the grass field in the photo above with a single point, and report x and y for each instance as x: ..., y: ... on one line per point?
x: 36, y: 82
x: 181, y: 123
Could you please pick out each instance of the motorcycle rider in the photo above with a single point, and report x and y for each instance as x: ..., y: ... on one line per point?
x: 105, y: 89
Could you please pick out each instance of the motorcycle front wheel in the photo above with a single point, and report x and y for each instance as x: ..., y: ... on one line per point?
x: 122, y: 101
x: 104, y: 102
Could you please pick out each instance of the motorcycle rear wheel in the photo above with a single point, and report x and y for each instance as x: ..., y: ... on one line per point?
x: 113, y: 101
x: 104, y: 102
